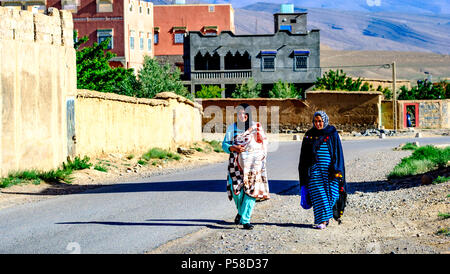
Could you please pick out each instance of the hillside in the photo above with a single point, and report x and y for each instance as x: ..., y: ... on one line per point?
x: 349, y: 30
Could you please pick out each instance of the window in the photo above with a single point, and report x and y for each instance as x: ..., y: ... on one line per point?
x: 179, y: 38
x: 156, y: 37
x: 301, y: 59
x: 141, y: 40
x: 104, y: 6
x: 268, y: 63
x: 131, y: 39
x: 131, y: 42
x: 211, y: 8
x: 148, y: 11
x: 103, y: 34
x: 131, y: 7
x: 149, y: 41
x: 301, y: 62
x: 268, y: 60
x: 140, y: 9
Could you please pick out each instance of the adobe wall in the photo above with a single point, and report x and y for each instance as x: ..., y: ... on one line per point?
x: 123, y: 124
x: 37, y: 75
x: 348, y: 111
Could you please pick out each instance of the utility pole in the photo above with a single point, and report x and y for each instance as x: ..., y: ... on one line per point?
x: 394, y: 92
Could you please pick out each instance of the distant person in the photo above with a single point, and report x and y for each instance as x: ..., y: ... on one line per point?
x: 321, y: 168
x: 247, y: 182
x: 408, y: 119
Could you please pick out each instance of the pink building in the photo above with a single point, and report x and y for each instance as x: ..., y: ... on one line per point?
x: 129, y: 24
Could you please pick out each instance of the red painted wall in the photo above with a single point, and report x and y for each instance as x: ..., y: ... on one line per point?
x: 193, y: 17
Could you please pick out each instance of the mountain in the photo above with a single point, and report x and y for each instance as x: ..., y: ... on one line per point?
x: 403, y: 6
x: 351, y: 30
x: 395, y: 25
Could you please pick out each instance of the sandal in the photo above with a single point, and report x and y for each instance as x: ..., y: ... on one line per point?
x: 320, y: 226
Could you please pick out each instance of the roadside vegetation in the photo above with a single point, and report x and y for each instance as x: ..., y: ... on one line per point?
x: 61, y: 174
x: 423, y: 159
x: 154, y: 157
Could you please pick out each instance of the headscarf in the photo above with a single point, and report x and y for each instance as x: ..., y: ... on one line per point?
x: 324, y: 118
x: 248, y: 112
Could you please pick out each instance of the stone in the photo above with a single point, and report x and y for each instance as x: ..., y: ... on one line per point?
x: 426, y: 179
x: 185, y: 151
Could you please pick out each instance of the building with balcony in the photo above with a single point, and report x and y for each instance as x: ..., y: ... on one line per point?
x: 291, y: 54
x: 129, y: 24
x: 173, y: 22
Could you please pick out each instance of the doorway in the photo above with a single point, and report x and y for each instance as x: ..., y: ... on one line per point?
x: 411, y: 115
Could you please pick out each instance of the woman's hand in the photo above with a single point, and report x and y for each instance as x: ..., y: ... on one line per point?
x: 237, y: 148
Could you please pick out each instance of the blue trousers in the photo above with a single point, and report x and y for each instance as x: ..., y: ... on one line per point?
x: 244, y: 205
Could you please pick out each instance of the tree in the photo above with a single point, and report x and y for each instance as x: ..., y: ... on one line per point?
x: 94, y: 72
x: 284, y: 90
x: 209, y: 91
x: 154, y: 78
x: 338, y: 80
x: 248, y: 89
x: 425, y: 90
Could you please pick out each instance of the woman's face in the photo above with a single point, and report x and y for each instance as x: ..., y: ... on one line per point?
x: 318, y: 122
x: 242, y: 116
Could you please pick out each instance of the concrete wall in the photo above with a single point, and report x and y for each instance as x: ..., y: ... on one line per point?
x: 348, y: 111
x: 37, y: 75
x: 283, y: 42
x: 133, y: 125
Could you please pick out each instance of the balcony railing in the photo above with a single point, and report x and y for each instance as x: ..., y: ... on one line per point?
x: 221, y: 74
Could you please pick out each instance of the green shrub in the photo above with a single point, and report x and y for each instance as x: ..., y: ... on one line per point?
x: 100, y: 168
x: 441, y: 179
x: 422, y: 160
x: 284, y: 90
x: 410, y: 146
x: 157, y: 153
x: 209, y: 91
x: 248, y: 89
x: 216, y: 145
x: 77, y: 163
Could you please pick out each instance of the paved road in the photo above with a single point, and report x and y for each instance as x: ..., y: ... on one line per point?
x: 134, y: 217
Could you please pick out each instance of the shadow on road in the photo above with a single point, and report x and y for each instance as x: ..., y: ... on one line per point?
x: 212, y: 224
x: 275, y: 186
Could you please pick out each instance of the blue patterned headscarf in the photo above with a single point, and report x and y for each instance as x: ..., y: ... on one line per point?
x: 324, y: 117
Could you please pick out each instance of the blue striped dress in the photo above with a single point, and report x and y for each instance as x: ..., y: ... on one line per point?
x: 324, y: 192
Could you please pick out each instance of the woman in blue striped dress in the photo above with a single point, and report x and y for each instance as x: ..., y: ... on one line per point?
x: 321, y: 167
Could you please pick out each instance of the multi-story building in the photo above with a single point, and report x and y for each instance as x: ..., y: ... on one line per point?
x: 291, y: 54
x: 173, y: 22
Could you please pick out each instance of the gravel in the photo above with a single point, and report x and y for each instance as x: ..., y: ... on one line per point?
x: 381, y: 217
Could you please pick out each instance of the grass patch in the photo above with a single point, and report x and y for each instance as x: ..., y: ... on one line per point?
x: 410, y: 146
x: 216, y: 145
x: 441, y: 179
x: 100, y: 168
x: 443, y: 216
x: 422, y: 160
x: 162, y: 154
x: 61, y: 174
x: 443, y: 231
